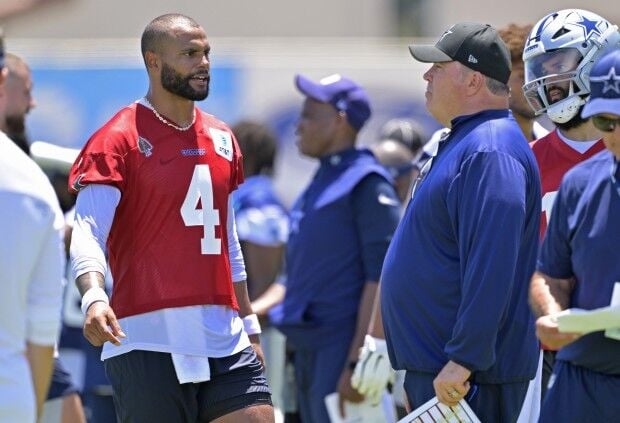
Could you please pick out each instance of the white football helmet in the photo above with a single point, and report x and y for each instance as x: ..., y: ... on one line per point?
x: 558, y: 56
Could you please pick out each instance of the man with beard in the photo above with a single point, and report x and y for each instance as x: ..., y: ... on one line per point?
x: 558, y: 56
x: 180, y: 342
x: 18, y: 88
x: 31, y: 266
x: 63, y: 402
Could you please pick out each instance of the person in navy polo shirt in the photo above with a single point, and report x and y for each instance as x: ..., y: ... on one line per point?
x: 579, y: 262
x: 455, y: 278
x: 341, y: 226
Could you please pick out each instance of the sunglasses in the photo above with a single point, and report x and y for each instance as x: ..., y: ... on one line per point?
x: 605, y: 124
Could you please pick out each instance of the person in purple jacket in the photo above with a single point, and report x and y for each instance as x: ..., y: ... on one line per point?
x: 341, y: 226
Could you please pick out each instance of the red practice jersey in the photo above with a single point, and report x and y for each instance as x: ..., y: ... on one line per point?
x: 555, y: 158
x: 168, y: 245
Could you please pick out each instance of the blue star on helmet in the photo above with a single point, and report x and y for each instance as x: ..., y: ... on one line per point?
x: 611, y: 81
x: 589, y: 27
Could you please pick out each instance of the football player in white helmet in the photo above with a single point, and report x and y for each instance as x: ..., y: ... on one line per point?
x: 558, y: 56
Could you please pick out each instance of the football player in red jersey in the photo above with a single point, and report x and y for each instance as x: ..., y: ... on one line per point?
x: 558, y: 56
x: 180, y: 342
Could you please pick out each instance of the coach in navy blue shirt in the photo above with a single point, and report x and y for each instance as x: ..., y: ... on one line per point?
x: 580, y: 263
x: 455, y: 280
x: 341, y: 226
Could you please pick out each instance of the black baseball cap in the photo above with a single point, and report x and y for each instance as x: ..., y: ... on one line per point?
x: 477, y: 46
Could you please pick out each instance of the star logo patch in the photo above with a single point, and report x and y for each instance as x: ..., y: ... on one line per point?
x: 611, y: 81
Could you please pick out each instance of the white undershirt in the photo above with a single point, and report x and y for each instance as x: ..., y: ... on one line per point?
x: 191, y: 334
x: 579, y: 146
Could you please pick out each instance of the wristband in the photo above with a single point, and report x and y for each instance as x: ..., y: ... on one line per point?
x: 251, y: 325
x: 93, y: 295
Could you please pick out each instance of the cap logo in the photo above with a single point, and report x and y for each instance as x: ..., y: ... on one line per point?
x: 330, y: 79
x: 472, y: 59
x: 341, y: 104
x: 611, y: 81
x: 449, y: 31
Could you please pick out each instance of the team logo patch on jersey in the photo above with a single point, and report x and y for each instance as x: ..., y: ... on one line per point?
x: 145, y: 147
x: 222, y: 143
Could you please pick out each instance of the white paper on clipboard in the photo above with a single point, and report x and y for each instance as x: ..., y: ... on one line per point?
x: 614, y: 333
x: 433, y: 411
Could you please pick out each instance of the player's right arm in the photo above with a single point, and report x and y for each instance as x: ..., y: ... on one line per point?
x: 94, y: 213
x: 549, y: 296
x: 100, y: 323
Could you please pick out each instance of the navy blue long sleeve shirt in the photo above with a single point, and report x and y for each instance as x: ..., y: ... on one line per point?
x: 455, y: 280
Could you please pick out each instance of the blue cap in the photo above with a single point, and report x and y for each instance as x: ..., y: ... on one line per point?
x: 342, y: 93
x: 604, y: 86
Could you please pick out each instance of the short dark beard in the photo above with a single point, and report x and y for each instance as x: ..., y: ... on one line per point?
x: 16, y: 131
x: 178, y: 84
x: 575, y: 122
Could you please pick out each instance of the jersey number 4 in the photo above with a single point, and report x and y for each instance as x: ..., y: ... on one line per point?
x: 201, y: 188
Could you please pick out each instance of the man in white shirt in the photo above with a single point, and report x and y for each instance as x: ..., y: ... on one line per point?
x: 31, y: 270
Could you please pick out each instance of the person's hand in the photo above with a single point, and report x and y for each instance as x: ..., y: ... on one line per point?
x: 451, y: 384
x: 373, y: 370
x: 255, y: 341
x: 346, y: 392
x: 100, y: 325
x: 549, y: 334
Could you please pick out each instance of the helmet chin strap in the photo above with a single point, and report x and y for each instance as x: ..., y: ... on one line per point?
x: 565, y: 110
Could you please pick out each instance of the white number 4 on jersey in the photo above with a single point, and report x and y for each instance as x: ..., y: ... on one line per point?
x: 201, y: 188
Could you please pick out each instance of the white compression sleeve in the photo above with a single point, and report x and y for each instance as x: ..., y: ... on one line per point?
x: 94, y: 213
x: 237, y: 265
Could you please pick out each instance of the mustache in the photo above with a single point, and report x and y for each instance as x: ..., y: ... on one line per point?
x: 564, y: 92
x: 202, y: 74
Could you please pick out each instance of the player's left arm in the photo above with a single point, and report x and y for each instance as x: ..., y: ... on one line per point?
x: 250, y: 320
x: 239, y: 278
